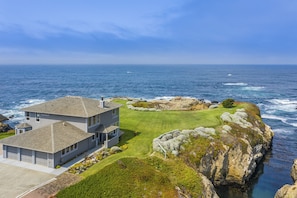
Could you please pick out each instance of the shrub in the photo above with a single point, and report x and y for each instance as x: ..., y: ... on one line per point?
x: 228, y: 103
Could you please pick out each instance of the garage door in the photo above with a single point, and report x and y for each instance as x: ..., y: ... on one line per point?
x: 41, y: 158
x: 26, y: 155
x: 12, y: 153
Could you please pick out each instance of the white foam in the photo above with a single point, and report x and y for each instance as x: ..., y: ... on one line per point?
x: 253, y: 88
x: 235, y: 84
x: 282, y: 131
x: 284, y: 120
x: 16, y: 112
x: 282, y: 105
x: 274, y: 117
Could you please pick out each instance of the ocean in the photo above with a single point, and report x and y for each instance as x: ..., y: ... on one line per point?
x: 272, y: 88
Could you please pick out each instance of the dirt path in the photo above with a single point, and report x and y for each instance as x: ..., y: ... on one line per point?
x: 51, y: 189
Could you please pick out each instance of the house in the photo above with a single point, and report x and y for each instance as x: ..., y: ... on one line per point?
x: 57, y: 131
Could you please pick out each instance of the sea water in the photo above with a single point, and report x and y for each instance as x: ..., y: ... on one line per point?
x: 272, y: 88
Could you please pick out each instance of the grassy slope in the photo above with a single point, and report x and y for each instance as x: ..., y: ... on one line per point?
x: 149, y: 125
x: 6, y: 134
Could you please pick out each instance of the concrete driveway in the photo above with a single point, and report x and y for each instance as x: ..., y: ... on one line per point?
x: 17, y: 180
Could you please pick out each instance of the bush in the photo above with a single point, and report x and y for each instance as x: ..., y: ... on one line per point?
x: 228, y: 103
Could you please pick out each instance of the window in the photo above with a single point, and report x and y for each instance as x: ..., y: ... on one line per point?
x: 69, y: 149
x: 115, y: 112
x: 97, y: 118
x: 94, y: 119
x: 89, y: 121
x: 37, y: 116
x: 27, y: 114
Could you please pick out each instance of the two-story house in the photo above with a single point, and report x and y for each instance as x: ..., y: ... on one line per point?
x: 57, y: 131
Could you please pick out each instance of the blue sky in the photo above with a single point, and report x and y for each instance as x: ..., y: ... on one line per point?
x: 148, y: 31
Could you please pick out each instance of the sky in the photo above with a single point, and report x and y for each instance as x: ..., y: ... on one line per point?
x: 148, y: 32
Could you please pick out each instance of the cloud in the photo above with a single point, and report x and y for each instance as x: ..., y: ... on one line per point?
x: 39, y: 19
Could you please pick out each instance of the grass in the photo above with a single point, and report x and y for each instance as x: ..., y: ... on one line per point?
x: 133, y: 172
x: 134, y: 177
x: 149, y: 125
x: 6, y: 134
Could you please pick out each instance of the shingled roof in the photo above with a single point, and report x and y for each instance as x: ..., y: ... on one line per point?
x: 49, y: 139
x: 75, y: 106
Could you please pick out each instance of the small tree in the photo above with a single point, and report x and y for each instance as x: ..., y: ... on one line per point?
x: 228, y: 103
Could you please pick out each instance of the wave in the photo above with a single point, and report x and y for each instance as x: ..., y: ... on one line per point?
x: 235, y: 84
x: 286, y: 105
x: 282, y: 131
x: 288, y: 121
x: 15, y: 112
x: 253, y: 88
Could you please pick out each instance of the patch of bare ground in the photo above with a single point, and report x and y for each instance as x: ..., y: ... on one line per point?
x: 51, y: 189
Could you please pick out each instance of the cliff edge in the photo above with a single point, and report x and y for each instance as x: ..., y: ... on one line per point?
x: 227, y: 154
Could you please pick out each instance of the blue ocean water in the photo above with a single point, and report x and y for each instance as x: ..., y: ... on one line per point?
x: 272, y: 87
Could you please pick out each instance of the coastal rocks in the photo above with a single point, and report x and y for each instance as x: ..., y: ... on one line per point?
x: 288, y: 191
x: 227, y: 155
x: 241, y: 149
x: 172, y: 141
x: 4, y: 127
x: 208, y: 188
x: 176, y: 103
x: 238, y: 118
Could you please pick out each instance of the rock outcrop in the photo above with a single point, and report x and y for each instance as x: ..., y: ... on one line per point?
x: 231, y: 152
x: 208, y: 188
x: 289, y: 191
x: 4, y: 127
x: 176, y: 103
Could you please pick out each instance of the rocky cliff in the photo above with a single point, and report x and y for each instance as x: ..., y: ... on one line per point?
x: 227, y: 154
x: 289, y: 191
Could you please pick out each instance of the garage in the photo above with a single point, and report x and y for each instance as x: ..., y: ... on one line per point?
x: 12, y: 152
x: 41, y: 158
x: 26, y: 155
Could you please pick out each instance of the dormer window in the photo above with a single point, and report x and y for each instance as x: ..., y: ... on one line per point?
x: 37, y: 116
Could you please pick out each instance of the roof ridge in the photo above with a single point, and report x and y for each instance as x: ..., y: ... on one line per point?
x: 83, y: 104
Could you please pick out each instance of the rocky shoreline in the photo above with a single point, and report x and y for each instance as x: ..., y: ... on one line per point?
x: 234, y: 152
x: 288, y: 191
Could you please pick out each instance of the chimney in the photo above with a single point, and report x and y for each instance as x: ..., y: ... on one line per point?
x: 102, y: 103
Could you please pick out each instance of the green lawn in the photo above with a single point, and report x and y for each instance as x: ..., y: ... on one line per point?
x: 149, y: 125
x: 6, y: 134
x: 133, y: 173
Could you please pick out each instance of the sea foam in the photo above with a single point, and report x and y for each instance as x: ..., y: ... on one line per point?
x: 236, y: 84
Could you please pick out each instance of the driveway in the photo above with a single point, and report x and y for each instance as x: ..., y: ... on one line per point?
x: 16, y: 180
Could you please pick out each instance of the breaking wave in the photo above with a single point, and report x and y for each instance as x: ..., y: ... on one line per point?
x: 235, y: 84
